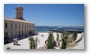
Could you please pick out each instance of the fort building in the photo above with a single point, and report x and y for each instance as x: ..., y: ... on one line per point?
x: 18, y: 26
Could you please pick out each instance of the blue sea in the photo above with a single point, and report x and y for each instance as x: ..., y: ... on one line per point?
x: 60, y: 28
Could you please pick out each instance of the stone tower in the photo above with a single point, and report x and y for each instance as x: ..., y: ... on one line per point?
x: 19, y: 13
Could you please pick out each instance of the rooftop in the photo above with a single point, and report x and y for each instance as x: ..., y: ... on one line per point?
x: 16, y: 20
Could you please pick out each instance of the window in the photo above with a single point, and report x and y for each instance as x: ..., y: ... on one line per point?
x: 32, y: 26
x: 5, y: 25
x: 11, y: 34
x: 15, y: 33
x: 19, y: 25
x: 27, y: 26
x: 22, y: 25
x: 11, y: 25
x: 30, y: 32
x: 6, y: 34
x: 22, y: 33
x: 27, y: 31
x: 19, y: 33
x: 15, y: 25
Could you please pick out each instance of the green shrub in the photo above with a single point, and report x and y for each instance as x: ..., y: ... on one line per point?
x: 63, y: 44
x: 32, y: 43
x: 75, y: 35
x: 57, y: 37
x: 50, y: 41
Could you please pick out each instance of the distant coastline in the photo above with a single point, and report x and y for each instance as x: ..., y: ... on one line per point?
x: 59, y: 28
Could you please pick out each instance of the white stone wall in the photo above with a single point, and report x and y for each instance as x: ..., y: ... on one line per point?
x: 15, y: 28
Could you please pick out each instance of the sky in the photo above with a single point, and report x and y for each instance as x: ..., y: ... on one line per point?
x: 49, y: 14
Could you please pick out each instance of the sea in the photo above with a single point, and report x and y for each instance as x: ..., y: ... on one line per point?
x: 59, y: 28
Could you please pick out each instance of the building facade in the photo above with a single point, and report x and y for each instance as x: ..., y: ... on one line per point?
x: 17, y: 27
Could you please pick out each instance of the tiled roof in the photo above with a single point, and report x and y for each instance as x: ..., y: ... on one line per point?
x: 16, y: 20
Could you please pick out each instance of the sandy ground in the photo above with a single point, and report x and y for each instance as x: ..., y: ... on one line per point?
x: 80, y: 45
x: 42, y: 39
x: 24, y: 43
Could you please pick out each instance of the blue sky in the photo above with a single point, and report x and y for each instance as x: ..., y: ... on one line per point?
x: 49, y: 14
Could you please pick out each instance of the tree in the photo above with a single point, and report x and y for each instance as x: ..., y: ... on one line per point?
x: 57, y: 36
x: 32, y: 43
x: 50, y: 41
x: 65, y: 37
x: 75, y: 35
x: 63, y: 44
x: 64, y: 40
x: 36, y: 43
